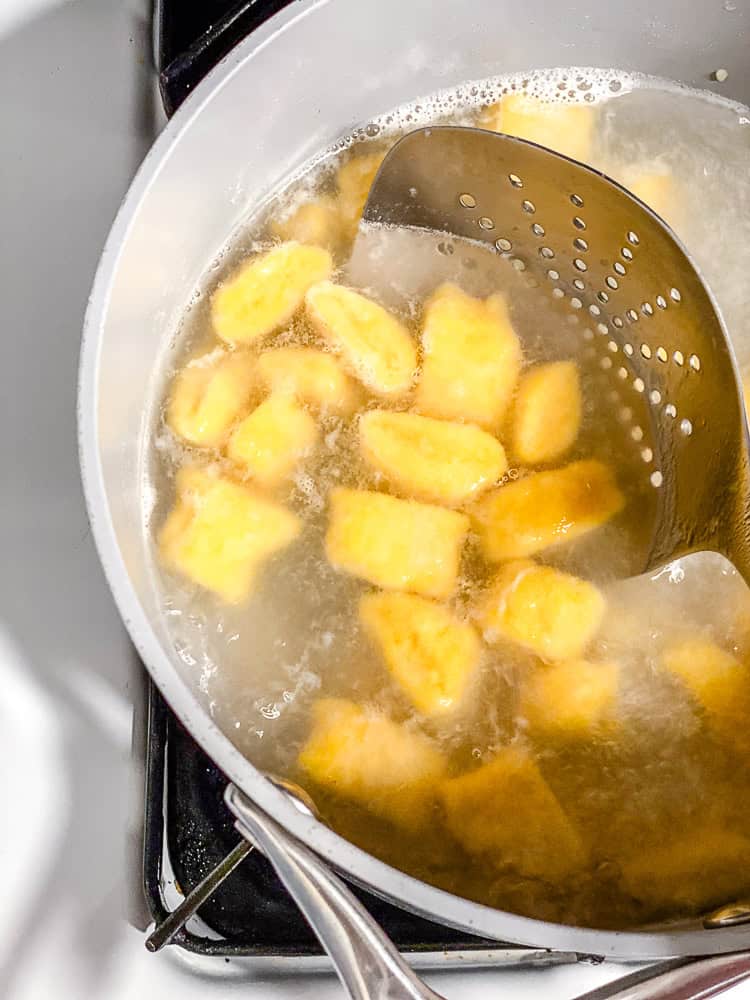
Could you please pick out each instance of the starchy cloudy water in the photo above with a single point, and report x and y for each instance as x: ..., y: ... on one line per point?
x: 661, y: 760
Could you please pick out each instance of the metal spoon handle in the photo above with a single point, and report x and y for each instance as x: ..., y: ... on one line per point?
x: 681, y: 979
x: 176, y: 920
x: 366, y: 961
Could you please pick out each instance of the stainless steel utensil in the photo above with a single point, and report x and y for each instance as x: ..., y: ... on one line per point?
x: 648, y: 327
x: 678, y: 980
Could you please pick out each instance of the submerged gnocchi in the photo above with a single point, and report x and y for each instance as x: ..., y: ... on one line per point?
x: 387, y: 529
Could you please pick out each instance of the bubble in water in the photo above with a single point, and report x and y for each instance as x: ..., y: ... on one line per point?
x: 676, y: 573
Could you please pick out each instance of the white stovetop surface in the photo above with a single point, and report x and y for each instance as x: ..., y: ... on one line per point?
x: 76, y: 117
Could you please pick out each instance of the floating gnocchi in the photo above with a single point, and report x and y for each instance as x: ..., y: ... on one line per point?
x: 376, y: 346
x: 551, y: 613
x: 209, y: 395
x: 269, y: 443
x: 267, y: 291
x: 430, y: 653
x: 220, y: 534
x: 655, y: 185
x: 472, y: 358
x: 570, y: 700
x: 364, y: 756
x: 395, y: 544
x: 313, y: 376
x: 506, y: 812
x: 547, y: 412
x: 718, y: 682
x: 428, y: 459
x: 692, y: 870
x: 354, y: 180
x: 564, y: 128
x: 317, y: 222
x: 547, y: 508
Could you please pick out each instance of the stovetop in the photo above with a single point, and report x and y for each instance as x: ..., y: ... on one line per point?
x: 191, y: 36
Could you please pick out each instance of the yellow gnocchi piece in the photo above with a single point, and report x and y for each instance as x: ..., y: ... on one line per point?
x: 547, y: 412
x: 270, y: 442
x: 570, y: 700
x: 312, y: 376
x: 546, y: 508
x: 219, y: 534
x: 317, y: 222
x: 550, y: 613
x: 208, y: 395
x: 472, y: 358
x: 431, y: 459
x: 395, y: 544
x: 376, y: 346
x: 428, y: 651
x: 506, y: 812
x: 565, y: 128
x: 354, y: 180
x: 718, y: 682
x: 267, y: 291
x: 366, y: 757
x: 696, y: 868
x: 656, y: 187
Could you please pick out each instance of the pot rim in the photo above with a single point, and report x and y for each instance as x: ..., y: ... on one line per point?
x: 361, y: 867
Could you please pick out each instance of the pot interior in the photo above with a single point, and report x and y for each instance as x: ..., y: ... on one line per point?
x: 253, y: 124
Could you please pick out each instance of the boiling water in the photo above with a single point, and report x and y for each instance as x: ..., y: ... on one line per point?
x: 261, y: 665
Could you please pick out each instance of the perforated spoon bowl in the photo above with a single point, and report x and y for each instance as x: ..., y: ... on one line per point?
x: 650, y: 332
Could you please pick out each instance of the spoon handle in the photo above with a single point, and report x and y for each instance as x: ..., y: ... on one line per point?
x: 366, y: 960
x: 679, y: 979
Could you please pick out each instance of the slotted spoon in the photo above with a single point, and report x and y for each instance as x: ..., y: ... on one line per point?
x: 649, y: 329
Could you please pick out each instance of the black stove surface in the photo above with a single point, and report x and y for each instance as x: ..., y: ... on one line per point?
x: 192, y: 36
